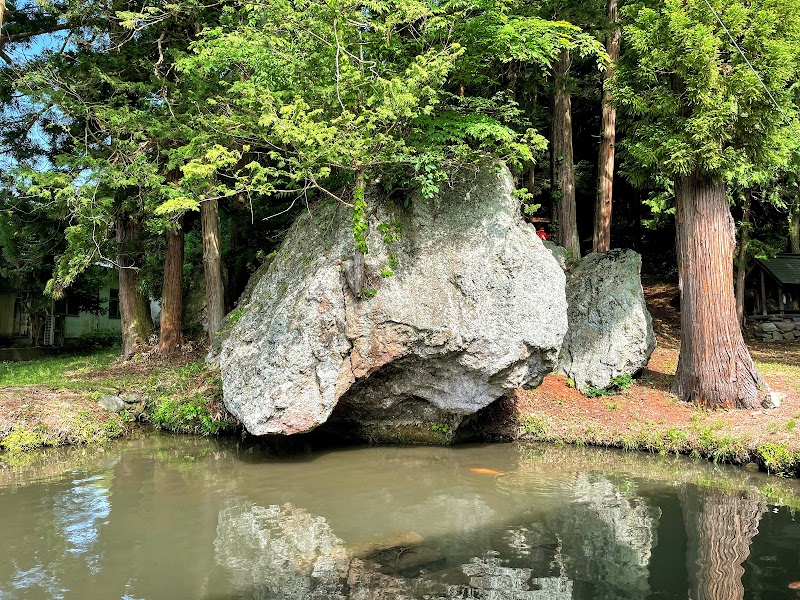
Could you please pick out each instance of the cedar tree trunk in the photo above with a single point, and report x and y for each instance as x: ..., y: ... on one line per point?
x: 172, y: 293
x: 564, y: 212
x: 715, y: 369
x: 741, y: 260
x: 720, y: 527
x: 136, y: 322
x: 794, y: 227
x: 601, y: 241
x: 212, y: 264
x: 531, y: 177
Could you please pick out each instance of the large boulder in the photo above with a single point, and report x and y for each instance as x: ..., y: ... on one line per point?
x: 610, y: 332
x: 461, y: 303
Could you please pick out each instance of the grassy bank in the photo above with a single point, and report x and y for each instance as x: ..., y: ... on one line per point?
x: 53, y: 401
x: 645, y: 416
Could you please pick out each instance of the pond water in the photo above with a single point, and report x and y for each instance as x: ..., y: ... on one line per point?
x: 165, y: 517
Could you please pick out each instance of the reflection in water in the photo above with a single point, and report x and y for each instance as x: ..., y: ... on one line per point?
x: 35, y: 578
x: 78, y: 512
x: 609, y: 536
x: 194, y: 519
x: 489, y: 580
x: 720, y: 527
x: 280, y: 552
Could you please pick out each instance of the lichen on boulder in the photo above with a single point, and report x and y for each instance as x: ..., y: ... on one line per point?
x: 462, y: 302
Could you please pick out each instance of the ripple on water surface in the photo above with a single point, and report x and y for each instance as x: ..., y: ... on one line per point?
x: 172, y: 517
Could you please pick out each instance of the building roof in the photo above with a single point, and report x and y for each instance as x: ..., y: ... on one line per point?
x: 784, y: 268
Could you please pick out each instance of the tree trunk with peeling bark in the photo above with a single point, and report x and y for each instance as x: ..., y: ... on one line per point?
x: 135, y: 319
x: 172, y: 292
x: 601, y: 240
x: 715, y: 369
x: 741, y: 260
x: 212, y: 265
x: 564, y: 211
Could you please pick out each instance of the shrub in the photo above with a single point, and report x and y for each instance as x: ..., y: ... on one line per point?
x: 99, y: 339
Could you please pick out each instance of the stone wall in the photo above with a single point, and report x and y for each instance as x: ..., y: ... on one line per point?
x: 775, y: 328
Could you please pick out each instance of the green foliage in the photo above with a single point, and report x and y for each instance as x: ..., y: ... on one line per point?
x: 692, y: 103
x: 440, y: 427
x: 533, y: 425
x: 82, y: 427
x: 675, y: 440
x: 777, y: 458
x: 23, y: 440
x: 392, y: 232
x: 278, y: 103
x: 188, y: 400
x: 99, y: 339
x: 187, y: 414
x: 63, y: 371
x: 235, y: 316
x: 616, y: 386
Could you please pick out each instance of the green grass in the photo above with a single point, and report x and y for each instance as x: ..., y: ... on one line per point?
x: 533, y: 426
x: 780, y: 369
x: 616, y: 386
x: 181, y: 399
x: 188, y: 414
x: 778, y: 459
x: 79, y: 428
x: 699, y: 440
x: 59, y: 372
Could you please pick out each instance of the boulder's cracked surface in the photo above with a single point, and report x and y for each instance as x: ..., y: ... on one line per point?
x: 462, y: 302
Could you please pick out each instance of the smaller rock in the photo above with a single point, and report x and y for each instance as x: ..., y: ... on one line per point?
x: 559, y: 253
x: 111, y: 403
x: 610, y: 331
x: 131, y: 397
x: 784, y: 326
x: 769, y: 327
x: 788, y: 336
x: 773, y: 400
x: 778, y: 337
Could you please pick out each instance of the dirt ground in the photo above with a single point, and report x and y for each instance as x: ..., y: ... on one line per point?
x: 61, y: 407
x: 45, y: 417
x: 647, y: 416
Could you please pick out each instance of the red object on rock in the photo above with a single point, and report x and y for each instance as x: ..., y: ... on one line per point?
x: 542, y: 234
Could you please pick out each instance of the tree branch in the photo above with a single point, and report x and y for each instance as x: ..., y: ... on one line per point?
x: 26, y: 35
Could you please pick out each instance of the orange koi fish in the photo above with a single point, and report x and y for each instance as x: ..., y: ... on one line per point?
x: 795, y: 585
x: 487, y: 472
